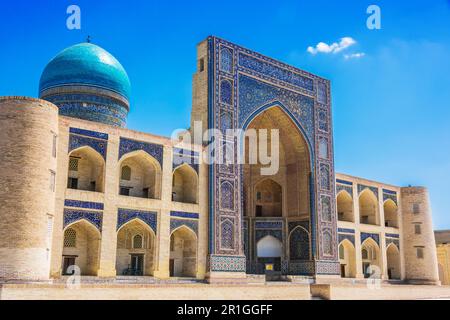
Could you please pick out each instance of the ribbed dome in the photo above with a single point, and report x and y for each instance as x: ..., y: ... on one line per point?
x: 86, y: 64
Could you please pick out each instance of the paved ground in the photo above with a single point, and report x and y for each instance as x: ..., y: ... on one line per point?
x: 202, y: 291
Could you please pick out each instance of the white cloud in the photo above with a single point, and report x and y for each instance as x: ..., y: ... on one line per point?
x: 354, y: 55
x: 335, y: 47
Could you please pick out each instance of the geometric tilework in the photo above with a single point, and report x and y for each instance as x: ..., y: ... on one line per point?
x: 374, y: 236
x: 344, y: 230
x: 227, y: 263
x: 129, y: 145
x: 83, y: 204
x: 387, y: 194
x: 76, y: 141
x: 89, y: 133
x: 183, y: 156
x: 362, y: 187
x: 349, y: 237
x: 176, y: 223
x: 273, y: 71
x: 392, y: 235
x: 180, y: 214
x: 73, y: 215
x: 126, y: 215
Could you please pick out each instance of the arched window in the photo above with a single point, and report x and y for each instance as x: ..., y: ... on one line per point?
x: 137, y: 242
x: 126, y: 173
x: 70, y: 238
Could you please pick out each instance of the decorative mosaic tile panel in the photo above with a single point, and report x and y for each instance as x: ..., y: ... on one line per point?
x: 271, y: 70
x: 261, y: 233
x: 268, y: 224
x: 129, y: 145
x: 227, y: 263
x: 183, y: 156
x: 74, y: 215
x: 89, y: 133
x: 77, y: 141
x: 254, y: 94
x: 362, y: 187
x: 340, y: 181
x: 374, y: 236
x: 389, y: 195
x: 392, y: 235
x: 344, y: 230
x: 293, y: 224
x: 299, y: 245
x: 350, y: 237
x: 394, y: 241
x: 180, y: 214
x: 83, y: 204
x: 340, y: 187
x: 328, y: 268
x: 191, y: 224
x: 126, y: 215
x: 301, y: 268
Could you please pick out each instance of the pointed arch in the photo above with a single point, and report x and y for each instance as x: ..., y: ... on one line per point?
x: 268, y: 198
x: 183, y: 252
x: 390, y: 210
x: 299, y: 244
x: 136, y: 248
x: 347, y: 259
x: 371, y: 262
x: 368, y: 207
x: 344, y: 203
x: 145, y: 175
x: 86, y: 252
x: 393, y: 261
x: 185, y: 184
x: 86, y: 169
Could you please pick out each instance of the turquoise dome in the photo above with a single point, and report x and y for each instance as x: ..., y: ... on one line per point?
x: 86, y: 64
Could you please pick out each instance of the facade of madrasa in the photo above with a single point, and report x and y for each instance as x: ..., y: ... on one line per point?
x: 81, y: 193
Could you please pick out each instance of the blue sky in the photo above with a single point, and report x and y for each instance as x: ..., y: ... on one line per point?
x: 391, y: 106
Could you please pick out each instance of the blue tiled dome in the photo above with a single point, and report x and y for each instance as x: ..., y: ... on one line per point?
x: 86, y: 64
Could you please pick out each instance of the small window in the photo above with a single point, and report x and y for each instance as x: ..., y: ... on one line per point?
x: 73, y: 164
x: 126, y: 173
x: 145, y: 192
x: 419, y: 252
x: 417, y: 229
x: 70, y: 238
x: 124, y: 191
x: 201, y: 65
x: 416, y: 208
x: 258, y: 195
x: 54, y: 145
x: 341, y: 252
x: 52, y: 180
x: 364, y: 254
x: 72, y: 183
x: 137, y: 242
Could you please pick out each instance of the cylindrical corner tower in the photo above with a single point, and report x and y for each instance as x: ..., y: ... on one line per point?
x: 28, y: 134
x: 418, y: 237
